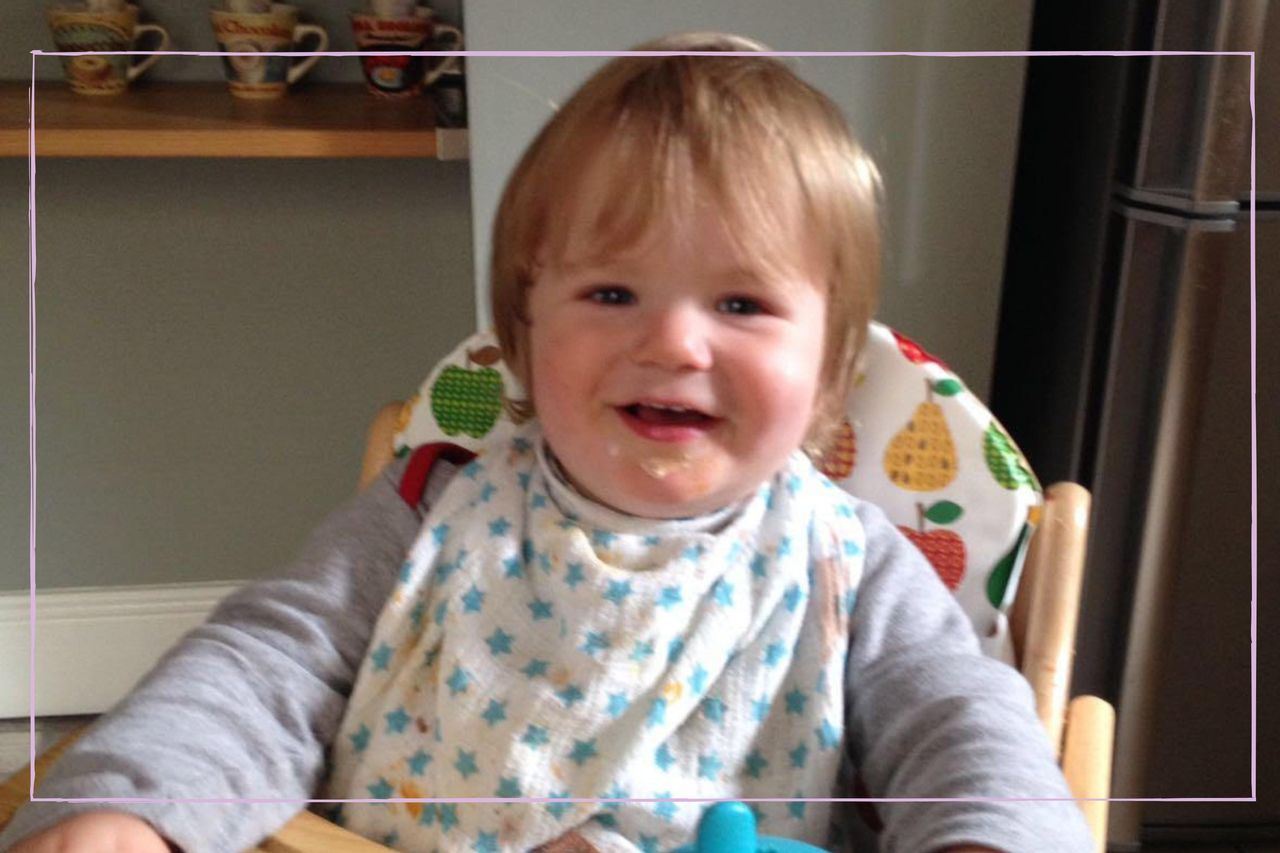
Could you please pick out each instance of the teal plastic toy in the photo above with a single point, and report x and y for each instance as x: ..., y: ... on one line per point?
x: 730, y: 827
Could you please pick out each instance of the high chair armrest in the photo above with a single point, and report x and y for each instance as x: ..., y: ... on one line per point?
x: 304, y: 833
x: 1045, y: 614
x: 378, y: 450
x: 310, y: 833
x: 15, y: 790
x: 1086, y: 760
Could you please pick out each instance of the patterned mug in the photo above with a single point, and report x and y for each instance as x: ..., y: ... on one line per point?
x: 249, y: 34
x: 100, y: 29
x: 389, y: 71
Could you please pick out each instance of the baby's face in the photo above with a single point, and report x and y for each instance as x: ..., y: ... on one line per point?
x: 674, y: 380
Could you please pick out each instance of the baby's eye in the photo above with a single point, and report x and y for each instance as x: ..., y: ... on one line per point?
x: 742, y: 305
x: 611, y: 294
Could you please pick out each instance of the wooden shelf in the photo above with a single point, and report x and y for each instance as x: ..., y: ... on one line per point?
x: 204, y: 120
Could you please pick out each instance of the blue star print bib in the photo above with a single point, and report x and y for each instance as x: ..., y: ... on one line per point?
x: 540, y: 645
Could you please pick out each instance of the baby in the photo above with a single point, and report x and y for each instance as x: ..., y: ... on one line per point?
x: 650, y: 593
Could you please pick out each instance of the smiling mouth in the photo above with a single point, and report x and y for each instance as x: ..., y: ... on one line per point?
x: 667, y: 424
x: 674, y: 416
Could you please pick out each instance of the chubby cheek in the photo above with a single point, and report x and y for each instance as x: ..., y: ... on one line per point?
x: 779, y: 400
x: 562, y: 390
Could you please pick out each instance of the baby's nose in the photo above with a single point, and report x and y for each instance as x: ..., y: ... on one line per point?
x: 675, y: 338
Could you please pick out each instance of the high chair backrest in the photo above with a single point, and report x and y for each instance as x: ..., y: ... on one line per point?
x: 915, y: 441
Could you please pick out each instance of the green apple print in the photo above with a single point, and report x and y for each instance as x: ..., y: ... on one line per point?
x: 469, y: 401
x: 1004, y: 461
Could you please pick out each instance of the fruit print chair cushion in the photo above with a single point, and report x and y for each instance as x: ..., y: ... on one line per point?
x: 915, y: 442
x: 919, y: 444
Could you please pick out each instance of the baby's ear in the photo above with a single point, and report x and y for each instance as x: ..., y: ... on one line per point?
x: 524, y: 293
x: 516, y: 355
x: 519, y: 407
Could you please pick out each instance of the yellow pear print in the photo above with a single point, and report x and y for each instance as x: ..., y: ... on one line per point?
x: 921, y: 457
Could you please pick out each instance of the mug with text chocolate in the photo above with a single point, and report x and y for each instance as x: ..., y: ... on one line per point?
x: 102, y: 27
x: 250, y: 36
x: 389, y: 71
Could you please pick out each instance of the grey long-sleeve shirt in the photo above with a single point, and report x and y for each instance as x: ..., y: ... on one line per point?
x: 245, y: 706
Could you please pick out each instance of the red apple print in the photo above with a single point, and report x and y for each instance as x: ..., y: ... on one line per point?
x: 914, y: 352
x: 942, y: 548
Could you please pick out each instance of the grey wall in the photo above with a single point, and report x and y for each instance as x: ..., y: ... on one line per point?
x: 942, y: 130
x: 213, y: 337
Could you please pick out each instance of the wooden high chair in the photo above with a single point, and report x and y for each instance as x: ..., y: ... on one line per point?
x: 1043, y: 622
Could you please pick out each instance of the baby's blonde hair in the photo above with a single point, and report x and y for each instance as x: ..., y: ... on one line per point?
x: 745, y: 129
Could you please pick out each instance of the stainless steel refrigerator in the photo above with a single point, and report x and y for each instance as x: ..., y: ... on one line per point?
x: 1123, y: 362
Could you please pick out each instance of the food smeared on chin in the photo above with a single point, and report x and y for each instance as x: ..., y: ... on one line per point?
x: 659, y: 467
x: 696, y: 469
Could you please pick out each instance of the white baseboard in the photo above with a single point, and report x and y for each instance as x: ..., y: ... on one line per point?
x: 92, y: 644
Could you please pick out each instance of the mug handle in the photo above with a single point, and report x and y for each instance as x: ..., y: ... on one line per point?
x: 300, y: 31
x: 134, y: 70
x: 450, y: 63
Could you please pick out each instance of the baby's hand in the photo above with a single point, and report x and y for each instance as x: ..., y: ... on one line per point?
x: 96, y: 832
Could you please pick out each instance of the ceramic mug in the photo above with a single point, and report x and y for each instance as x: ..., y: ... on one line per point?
x: 275, y: 31
x: 99, y: 28
x: 391, y: 73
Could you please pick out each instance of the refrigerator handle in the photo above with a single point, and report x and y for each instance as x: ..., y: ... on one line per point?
x: 1193, y: 134
x: 1223, y: 155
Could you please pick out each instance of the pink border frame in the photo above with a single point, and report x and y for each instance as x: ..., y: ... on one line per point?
x: 1253, y: 606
